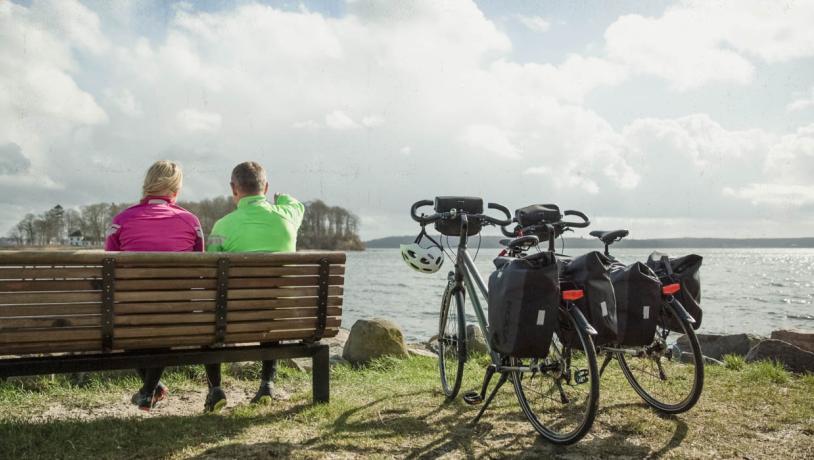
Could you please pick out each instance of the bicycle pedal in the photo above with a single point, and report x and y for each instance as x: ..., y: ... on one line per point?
x: 473, y: 398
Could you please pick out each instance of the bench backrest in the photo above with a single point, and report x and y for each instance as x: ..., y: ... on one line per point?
x: 60, y: 301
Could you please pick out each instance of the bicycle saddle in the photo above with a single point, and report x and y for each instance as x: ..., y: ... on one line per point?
x: 521, y: 241
x: 610, y: 237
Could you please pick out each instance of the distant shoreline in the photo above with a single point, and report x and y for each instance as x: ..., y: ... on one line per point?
x: 593, y: 243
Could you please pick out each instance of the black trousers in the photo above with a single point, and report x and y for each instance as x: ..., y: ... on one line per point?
x: 150, y: 378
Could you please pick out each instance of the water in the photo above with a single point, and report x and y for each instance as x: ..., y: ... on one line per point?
x: 742, y: 290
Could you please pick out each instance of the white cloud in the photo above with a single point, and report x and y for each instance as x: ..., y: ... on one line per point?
x: 197, y: 120
x: 339, y: 120
x: 779, y: 195
x: 802, y: 103
x: 534, y: 23
x: 490, y: 139
x: 697, y: 42
x: 438, y: 82
x: 372, y: 121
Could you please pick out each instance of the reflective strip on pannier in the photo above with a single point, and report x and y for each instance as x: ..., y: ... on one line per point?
x: 638, y: 303
x: 685, y: 270
x: 589, y: 272
x: 523, y: 305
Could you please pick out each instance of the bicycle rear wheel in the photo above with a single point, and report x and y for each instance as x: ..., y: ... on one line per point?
x: 668, y: 382
x: 452, y: 341
x: 561, y: 399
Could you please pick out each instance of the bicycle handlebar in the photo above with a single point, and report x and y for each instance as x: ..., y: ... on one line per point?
x: 557, y: 226
x: 585, y: 221
x: 423, y: 220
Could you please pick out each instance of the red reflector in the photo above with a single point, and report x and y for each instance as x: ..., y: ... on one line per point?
x: 575, y: 294
x: 671, y: 289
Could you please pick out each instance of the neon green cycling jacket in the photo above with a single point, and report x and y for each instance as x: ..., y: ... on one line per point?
x: 258, y: 226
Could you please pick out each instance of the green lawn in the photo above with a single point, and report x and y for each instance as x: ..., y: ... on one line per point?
x: 395, y: 409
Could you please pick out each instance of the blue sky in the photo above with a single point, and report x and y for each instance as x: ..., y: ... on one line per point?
x: 679, y: 118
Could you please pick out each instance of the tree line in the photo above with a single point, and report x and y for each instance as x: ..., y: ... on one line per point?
x: 323, y: 226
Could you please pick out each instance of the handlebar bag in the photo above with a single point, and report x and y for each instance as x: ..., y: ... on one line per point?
x: 638, y: 303
x: 685, y: 270
x: 467, y: 204
x: 538, y: 214
x: 590, y: 272
x: 524, y: 298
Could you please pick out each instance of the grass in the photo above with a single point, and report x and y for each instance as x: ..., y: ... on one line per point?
x: 395, y: 408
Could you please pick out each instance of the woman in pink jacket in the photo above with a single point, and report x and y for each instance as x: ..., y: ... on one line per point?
x: 156, y: 224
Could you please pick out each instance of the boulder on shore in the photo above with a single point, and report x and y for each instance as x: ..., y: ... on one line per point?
x: 475, y: 342
x: 804, y: 340
x: 717, y: 345
x: 792, y: 357
x: 370, y: 339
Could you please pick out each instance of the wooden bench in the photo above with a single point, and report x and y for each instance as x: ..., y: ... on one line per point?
x: 79, y: 311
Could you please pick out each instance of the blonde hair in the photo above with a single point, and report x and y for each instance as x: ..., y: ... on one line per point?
x: 164, y: 177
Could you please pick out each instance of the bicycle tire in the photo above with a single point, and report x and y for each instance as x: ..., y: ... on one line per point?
x: 547, y: 429
x: 696, y: 359
x: 451, y: 342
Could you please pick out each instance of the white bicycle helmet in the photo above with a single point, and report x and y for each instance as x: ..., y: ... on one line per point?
x: 420, y: 259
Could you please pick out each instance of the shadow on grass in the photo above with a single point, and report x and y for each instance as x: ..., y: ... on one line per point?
x: 135, y: 437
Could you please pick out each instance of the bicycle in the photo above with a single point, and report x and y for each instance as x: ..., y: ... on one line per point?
x: 668, y: 380
x: 664, y: 376
x: 558, y: 394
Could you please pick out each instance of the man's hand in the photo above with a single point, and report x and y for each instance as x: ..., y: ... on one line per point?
x: 276, y: 195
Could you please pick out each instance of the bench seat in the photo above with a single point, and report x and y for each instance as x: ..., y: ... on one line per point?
x: 99, y: 305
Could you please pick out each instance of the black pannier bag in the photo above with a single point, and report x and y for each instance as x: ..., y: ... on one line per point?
x: 468, y: 204
x: 590, y: 272
x: 685, y: 270
x: 638, y: 303
x: 524, y: 297
x: 538, y: 214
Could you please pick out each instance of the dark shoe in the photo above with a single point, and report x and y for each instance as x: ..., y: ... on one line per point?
x: 161, y: 392
x: 215, y: 400
x: 263, y: 395
x: 145, y: 403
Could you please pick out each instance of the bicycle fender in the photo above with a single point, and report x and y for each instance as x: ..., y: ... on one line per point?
x: 580, y: 319
x: 680, y: 310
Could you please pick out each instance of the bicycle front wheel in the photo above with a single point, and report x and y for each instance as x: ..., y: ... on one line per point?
x: 452, y: 341
x: 667, y: 379
x: 560, y: 398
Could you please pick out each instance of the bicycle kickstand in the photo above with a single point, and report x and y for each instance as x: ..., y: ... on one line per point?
x: 504, y: 376
x: 608, y: 358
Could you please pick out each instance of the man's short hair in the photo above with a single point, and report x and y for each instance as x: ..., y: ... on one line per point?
x: 249, y: 177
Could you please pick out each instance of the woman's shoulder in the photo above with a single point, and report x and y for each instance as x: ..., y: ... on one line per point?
x: 185, y: 214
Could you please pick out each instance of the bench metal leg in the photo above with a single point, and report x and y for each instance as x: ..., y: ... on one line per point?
x: 321, y: 375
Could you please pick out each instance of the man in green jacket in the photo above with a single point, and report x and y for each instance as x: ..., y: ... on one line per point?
x: 255, y: 226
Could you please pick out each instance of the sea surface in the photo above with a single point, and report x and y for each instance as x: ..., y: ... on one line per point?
x: 742, y: 290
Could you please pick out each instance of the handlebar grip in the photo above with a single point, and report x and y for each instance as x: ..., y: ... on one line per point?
x: 579, y: 214
x: 506, y: 232
x: 504, y: 210
x: 415, y: 207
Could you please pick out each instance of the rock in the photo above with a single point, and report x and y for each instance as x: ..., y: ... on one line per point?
x: 248, y: 370
x: 414, y: 351
x: 792, y: 357
x: 337, y: 360
x: 804, y: 340
x: 475, y: 342
x: 338, y: 340
x: 373, y: 338
x: 717, y: 345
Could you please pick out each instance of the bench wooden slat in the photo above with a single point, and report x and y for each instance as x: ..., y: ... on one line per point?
x: 234, y: 294
x: 173, y: 330
x: 54, y: 322
x: 177, y: 307
x: 50, y: 273
x: 209, y: 317
x: 50, y: 310
x: 184, y: 259
x: 155, y: 272
x: 21, y: 298
x: 158, y: 342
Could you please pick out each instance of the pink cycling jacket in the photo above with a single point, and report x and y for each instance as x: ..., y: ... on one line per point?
x: 155, y: 224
